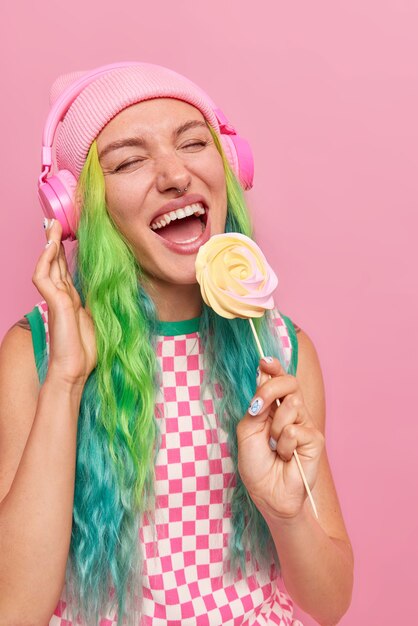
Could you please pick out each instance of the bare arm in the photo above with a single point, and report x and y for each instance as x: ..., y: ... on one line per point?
x: 316, y: 556
x: 38, y: 431
x: 38, y: 427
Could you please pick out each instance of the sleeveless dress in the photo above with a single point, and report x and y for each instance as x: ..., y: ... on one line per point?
x: 184, y: 577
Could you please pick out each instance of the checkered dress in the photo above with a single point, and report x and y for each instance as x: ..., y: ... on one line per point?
x: 185, y: 579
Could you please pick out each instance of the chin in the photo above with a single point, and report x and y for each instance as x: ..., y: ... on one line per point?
x: 183, y: 272
x: 180, y: 278
x: 185, y: 280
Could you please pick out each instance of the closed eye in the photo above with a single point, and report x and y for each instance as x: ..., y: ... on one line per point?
x: 125, y: 165
x: 196, y: 143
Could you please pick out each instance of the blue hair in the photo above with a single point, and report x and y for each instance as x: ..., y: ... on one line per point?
x: 118, y: 437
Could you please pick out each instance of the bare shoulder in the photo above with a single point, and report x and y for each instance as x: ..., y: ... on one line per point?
x: 16, y: 354
x: 309, y: 376
x: 19, y: 391
x: 22, y: 323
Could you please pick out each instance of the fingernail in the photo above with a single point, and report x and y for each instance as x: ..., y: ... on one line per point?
x: 258, y: 376
x: 256, y: 406
x: 268, y: 359
x: 49, y: 243
x: 273, y: 444
x: 48, y: 223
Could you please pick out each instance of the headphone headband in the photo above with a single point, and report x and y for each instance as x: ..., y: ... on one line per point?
x: 107, y: 98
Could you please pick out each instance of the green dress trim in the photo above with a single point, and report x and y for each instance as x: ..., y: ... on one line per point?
x: 38, y: 337
x: 184, y: 327
x: 294, y: 341
x: 165, y: 329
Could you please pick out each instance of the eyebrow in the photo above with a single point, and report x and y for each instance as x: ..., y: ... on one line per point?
x: 139, y: 142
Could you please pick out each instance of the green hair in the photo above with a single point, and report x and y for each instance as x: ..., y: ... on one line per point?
x: 118, y: 436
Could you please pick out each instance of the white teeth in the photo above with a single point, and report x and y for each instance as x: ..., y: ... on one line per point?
x: 191, y: 209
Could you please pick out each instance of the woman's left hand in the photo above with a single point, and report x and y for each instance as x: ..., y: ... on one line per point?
x: 272, y: 477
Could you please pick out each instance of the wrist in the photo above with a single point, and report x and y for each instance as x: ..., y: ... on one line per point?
x: 60, y: 384
x: 276, y: 520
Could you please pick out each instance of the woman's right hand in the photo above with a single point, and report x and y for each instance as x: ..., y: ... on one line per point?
x: 73, y: 353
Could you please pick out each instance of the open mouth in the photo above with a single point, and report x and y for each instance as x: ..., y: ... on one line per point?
x: 182, y: 226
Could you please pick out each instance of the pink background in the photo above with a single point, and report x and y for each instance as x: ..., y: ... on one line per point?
x: 327, y: 94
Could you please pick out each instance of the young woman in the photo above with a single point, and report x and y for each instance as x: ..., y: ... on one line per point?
x: 147, y: 475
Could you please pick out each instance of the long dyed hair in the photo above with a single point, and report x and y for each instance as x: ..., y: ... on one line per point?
x: 118, y: 436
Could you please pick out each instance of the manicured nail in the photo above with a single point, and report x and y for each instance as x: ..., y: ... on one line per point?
x: 268, y: 359
x: 46, y: 222
x: 256, y: 406
x: 273, y: 444
x: 49, y: 243
x: 258, y: 376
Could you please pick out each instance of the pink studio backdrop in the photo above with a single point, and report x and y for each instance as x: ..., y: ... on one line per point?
x: 327, y: 94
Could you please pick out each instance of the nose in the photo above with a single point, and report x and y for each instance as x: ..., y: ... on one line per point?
x: 172, y: 174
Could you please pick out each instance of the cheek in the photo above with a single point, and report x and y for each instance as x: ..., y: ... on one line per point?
x: 126, y: 209
x: 215, y: 175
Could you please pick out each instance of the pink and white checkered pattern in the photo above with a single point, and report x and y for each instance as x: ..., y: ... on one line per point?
x: 43, y: 310
x: 186, y: 578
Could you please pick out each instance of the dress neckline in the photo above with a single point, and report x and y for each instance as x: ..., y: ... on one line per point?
x: 183, y: 327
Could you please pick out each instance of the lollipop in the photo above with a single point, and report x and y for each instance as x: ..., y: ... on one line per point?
x: 234, y: 276
x: 236, y: 281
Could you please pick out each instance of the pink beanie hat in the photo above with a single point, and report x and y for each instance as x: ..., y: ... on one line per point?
x: 82, y: 103
x: 108, y: 94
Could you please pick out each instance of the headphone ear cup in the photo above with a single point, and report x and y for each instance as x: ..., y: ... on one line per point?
x: 57, y: 197
x: 240, y: 157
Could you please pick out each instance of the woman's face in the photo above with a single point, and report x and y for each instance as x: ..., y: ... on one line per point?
x: 148, y: 152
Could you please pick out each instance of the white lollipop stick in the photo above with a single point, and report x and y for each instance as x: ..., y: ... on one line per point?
x: 238, y: 258
x: 302, y: 473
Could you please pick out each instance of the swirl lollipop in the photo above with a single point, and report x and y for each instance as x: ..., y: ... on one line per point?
x: 236, y: 281
x: 234, y: 276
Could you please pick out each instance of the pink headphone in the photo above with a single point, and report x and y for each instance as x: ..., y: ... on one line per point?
x: 56, y: 192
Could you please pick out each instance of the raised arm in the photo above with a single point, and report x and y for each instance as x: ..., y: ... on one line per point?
x: 38, y: 430
x: 315, y: 554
